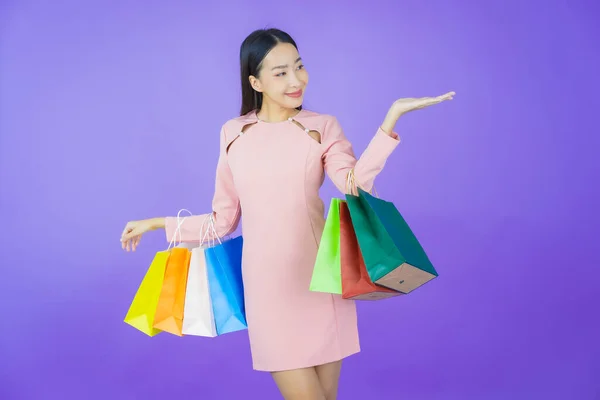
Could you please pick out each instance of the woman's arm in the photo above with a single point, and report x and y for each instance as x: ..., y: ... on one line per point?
x: 226, y: 210
x: 339, y: 157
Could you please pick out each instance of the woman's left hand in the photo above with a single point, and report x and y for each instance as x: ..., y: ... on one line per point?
x: 403, y: 106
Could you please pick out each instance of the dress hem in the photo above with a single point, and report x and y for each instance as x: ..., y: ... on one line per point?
x: 308, y: 365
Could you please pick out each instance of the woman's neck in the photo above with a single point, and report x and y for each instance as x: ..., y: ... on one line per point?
x: 275, y: 114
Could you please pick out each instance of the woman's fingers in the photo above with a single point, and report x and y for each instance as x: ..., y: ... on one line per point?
x: 447, y: 96
x: 136, y: 241
x: 131, y: 234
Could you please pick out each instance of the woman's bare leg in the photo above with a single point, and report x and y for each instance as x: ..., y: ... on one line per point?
x: 299, y: 384
x: 329, y: 376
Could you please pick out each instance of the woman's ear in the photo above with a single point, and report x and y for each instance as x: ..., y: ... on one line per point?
x: 255, y: 83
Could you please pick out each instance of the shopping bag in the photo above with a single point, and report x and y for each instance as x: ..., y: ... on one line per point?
x: 392, y: 254
x: 224, y: 268
x: 143, y: 307
x: 198, y: 318
x: 326, y: 275
x: 169, y: 310
x: 356, y: 283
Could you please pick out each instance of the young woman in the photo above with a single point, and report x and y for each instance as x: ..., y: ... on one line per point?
x: 272, y: 162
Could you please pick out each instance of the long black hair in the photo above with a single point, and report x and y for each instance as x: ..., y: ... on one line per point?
x: 252, y: 52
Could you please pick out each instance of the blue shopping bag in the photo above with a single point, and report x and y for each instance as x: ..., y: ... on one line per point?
x: 224, y: 268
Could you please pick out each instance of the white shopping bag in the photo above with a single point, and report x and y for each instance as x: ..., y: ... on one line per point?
x: 198, y: 317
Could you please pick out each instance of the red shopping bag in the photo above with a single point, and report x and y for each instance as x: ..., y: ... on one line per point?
x: 356, y: 284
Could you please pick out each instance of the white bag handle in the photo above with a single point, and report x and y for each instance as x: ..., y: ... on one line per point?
x: 178, y: 229
x: 211, y: 219
x: 203, y: 233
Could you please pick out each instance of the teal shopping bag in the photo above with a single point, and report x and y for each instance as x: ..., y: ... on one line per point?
x: 393, y: 256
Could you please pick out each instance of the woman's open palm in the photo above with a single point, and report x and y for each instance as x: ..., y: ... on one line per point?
x: 402, y: 106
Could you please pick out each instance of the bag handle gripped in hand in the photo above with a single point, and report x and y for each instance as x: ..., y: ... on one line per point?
x: 352, y: 185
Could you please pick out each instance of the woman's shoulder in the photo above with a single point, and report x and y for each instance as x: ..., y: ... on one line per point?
x: 316, y: 116
x: 304, y: 114
x: 310, y: 119
x: 318, y: 121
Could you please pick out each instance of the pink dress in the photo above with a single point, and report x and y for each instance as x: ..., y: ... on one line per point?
x: 271, y: 174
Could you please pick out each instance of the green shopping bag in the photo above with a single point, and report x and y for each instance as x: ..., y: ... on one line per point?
x: 393, y: 256
x: 327, y: 275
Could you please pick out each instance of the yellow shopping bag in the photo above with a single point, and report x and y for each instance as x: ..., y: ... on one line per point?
x: 143, y: 307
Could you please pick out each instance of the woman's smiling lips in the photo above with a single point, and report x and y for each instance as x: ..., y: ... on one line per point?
x: 295, y: 94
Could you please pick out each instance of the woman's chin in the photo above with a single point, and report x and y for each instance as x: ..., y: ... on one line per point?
x: 294, y: 102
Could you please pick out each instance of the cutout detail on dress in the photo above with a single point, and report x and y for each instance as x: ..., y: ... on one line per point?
x: 241, y: 133
x: 315, y: 135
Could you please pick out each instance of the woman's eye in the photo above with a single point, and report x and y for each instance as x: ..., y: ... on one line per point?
x: 301, y: 66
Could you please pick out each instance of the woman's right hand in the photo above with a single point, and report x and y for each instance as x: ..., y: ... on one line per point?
x: 132, y: 234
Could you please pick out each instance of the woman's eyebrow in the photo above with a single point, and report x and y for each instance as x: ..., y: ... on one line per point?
x: 285, y: 66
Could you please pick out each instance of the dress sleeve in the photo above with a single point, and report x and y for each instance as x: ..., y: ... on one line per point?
x: 226, y: 211
x: 339, y: 159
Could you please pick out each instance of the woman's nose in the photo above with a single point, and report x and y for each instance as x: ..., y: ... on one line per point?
x: 294, y: 81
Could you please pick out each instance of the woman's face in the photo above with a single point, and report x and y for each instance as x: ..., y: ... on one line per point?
x: 282, y: 78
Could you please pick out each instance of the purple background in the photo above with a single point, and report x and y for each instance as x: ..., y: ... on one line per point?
x: 110, y: 111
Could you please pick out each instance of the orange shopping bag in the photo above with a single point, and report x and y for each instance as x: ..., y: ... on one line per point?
x: 169, y: 310
x: 171, y: 302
